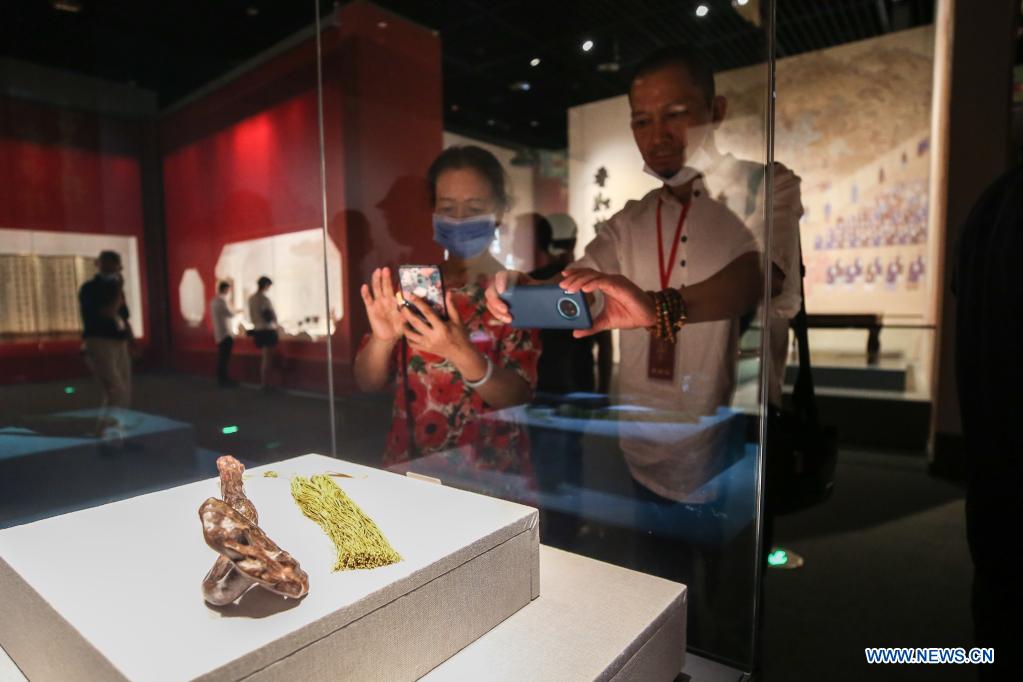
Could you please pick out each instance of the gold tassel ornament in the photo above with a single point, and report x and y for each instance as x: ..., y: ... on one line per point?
x: 357, y: 539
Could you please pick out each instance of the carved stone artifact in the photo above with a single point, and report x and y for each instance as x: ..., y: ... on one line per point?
x: 247, y: 556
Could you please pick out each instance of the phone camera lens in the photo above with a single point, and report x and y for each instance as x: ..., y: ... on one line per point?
x: 568, y: 308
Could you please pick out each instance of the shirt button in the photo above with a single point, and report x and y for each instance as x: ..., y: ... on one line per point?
x: 696, y: 193
x: 684, y: 239
x: 682, y: 263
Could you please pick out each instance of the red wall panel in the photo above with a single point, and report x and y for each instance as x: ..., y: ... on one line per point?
x: 243, y: 162
x: 66, y: 171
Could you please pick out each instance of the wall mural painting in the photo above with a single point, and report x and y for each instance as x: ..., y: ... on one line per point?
x: 861, y: 145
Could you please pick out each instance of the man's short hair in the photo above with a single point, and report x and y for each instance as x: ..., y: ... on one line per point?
x: 109, y: 257
x: 678, y: 55
x: 223, y: 286
x: 263, y: 282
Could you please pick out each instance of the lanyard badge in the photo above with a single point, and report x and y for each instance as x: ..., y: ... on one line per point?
x: 661, y: 355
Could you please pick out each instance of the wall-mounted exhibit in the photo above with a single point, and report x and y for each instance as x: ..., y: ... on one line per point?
x: 864, y: 185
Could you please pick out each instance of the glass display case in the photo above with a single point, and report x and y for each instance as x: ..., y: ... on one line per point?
x: 263, y: 170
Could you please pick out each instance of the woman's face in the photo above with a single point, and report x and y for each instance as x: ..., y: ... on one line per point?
x: 465, y: 193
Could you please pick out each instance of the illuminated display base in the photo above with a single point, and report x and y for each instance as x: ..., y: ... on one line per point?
x: 113, y: 592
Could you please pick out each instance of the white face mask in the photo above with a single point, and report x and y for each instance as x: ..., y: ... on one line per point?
x: 696, y: 165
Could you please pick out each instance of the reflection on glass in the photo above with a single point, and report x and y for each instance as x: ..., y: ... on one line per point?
x: 453, y: 367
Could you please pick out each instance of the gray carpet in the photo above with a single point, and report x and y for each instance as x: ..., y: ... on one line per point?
x: 886, y: 565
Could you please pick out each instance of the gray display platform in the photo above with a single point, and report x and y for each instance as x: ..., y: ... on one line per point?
x: 592, y: 621
x: 113, y: 592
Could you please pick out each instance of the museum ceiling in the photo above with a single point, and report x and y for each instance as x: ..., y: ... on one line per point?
x: 492, y: 89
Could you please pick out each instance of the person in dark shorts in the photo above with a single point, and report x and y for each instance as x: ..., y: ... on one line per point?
x: 264, y: 327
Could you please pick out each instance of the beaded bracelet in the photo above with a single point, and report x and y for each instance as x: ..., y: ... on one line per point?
x: 669, y: 314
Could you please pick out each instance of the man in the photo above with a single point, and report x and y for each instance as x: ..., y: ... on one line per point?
x: 221, y: 317
x: 107, y: 339
x: 689, y: 236
x: 989, y: 325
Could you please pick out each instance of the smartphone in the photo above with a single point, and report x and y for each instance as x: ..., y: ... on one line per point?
x: 426, y: 282
x: 547, y: 306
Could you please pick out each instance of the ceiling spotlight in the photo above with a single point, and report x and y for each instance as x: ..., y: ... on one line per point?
x: 454, y: 107
x: 535, y: 61
x: 491, y: 122
x: 521, y: 86
x: 587, y: 46
x: 72, y: 6
x: 534, y: 123
x: 701, y: 10
x: 252, y: 10
x: 741, y: 3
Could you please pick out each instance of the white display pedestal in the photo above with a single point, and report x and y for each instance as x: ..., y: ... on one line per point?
x: 113, y: 592
x: 592, y: 621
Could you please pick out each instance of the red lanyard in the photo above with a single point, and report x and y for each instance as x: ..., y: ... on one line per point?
x: 664, y: 269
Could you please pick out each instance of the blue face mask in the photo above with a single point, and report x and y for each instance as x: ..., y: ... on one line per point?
x: 464, y: 238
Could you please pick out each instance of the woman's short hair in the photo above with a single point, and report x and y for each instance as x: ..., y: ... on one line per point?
x: 476, y: 158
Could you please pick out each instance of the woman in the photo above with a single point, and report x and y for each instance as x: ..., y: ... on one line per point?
x: 449, y: 372
x: 264, y: 332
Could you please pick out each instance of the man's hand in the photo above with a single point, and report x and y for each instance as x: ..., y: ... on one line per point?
x: 503, y: 280
x: 626, y: 306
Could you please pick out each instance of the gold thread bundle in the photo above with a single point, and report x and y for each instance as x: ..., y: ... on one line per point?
x: 357, y: 539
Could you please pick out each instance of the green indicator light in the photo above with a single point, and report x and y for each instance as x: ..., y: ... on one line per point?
x: 778, y: 557
x: 227, y: 430
x: 69, y: 390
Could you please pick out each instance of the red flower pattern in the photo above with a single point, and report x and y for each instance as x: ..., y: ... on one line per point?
x: 445, y: 413
x: 431, y: 430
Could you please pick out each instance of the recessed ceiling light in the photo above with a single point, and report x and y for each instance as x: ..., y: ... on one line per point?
x: 252, y: 10
x: 741, y: 3
x: 72, y: 6
x: 587, y: 46
x: 534, y: 123
x: 521, y: 86
x: 454, y: 107
x: 535, y: 61
x: 491, y: 121
x: 701, y: 10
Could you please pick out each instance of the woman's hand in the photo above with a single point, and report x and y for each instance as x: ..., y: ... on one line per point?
x: 385, y: 321
x: 446, y: 338
x: 626, y: 306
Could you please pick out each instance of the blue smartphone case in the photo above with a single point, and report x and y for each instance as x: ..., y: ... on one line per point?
x: 547, y: 306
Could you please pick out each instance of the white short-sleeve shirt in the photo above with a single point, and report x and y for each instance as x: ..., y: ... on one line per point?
x: 705, y: 361
x: 740, y: 186
x: 220, y: 315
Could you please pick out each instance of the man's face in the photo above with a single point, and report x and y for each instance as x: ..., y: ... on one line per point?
x: 109, y: 266
x: 669, y: 115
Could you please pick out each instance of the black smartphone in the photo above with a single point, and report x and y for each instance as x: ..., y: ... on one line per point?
x: 547, y: 306
x: 425, y: 282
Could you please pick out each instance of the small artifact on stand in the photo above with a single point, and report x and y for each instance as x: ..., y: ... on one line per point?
x: 247, y: 556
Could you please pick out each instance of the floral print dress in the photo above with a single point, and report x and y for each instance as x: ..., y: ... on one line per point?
x: 445, y: 412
